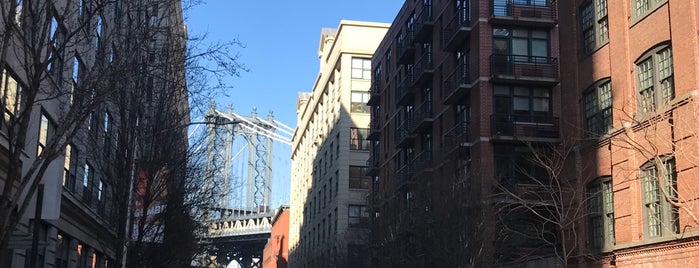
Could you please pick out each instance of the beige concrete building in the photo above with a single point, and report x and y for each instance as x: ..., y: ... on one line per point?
x: 329, y: 217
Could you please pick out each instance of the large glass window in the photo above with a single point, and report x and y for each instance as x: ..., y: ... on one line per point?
x: 361, y: 68
x: 12, y: 95
x: 46, y: 130
x: 595, y: 26
x: 358, y: 140
x: 654, y: 79
x: 659, y: 216
x: 358, y: 178
x: 600, y: 206
x: 358, y: 215
x: 597, y: 109
x: 359, y: 100
x: 526, y: 45
x: 526, y: 102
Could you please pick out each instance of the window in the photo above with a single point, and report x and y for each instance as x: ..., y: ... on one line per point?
x: 359, y: 100
x: 12, y: 95
x: 517, y: 165
x: 526, y: 45
x: 70, y: 167
x: 600, y: 206
x: 88, y: 174
x: 659, y: 216
x: 358, y: 178
x: 654, y: 79
x: 531, y: 2
x: 358, y: 139
x: 358, y: 215
x: 642, y: 7
x: 361, y: 68
x: 98, y: 31
x: 595, y: 27
x: 107, y: 128
x: 46, y: 131
x: 525, y: 102
x: 597, y: 109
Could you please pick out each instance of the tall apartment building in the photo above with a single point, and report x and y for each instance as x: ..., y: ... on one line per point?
x: 630, y: 72
x: 462, y: 92
x: 103, y: 71
x: 329, y: 214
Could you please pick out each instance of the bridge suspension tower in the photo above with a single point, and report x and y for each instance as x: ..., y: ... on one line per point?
x: 259, y: 135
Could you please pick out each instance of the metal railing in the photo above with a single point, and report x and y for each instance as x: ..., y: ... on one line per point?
x: 454, y: 82
x: 525, y: 126
x: 424, y: 66
x: 455, y: 25
x: 518, y: 9
x: 523, y: 65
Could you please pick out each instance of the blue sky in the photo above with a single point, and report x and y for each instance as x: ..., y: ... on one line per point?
x: 281, y: 43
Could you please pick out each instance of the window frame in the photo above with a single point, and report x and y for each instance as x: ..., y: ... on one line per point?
x: 600, y: 205
x: 12, y: 93
x: 359, y: 220
x: 47, y: 129
x: 358, y: 178
x: 654, y: 75
x: 358, y: 139
x: 511, y: 97
x: 597, y: 118
x: 652, y: 195
x: 639, y: 12
x: 595, y: 27
x: 365, y: 69
x: 361, y: 106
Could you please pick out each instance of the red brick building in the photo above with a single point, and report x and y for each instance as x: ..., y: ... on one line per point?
x: 459, y: 91
x: 276, y: 252
x: 630, y: 72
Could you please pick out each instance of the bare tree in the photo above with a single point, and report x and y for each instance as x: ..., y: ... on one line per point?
x: 38, y: 38
x: 540, y: 207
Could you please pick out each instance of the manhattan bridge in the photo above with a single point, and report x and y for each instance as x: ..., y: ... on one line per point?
x: 239, y: 165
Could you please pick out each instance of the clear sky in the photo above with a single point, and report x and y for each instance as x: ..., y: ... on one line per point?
x: 281, y: 51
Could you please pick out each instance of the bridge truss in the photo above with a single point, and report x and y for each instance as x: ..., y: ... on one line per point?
x: 258, y: 136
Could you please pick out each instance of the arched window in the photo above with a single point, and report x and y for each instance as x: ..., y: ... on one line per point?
x: 654, y: 79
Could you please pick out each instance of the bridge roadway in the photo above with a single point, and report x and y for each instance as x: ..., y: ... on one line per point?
x: 240, y: 236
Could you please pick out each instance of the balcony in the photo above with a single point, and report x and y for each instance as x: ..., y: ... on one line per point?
x: 422, y: 117
x: 457, y: 84
x: 405, y: 49
x: 456, y: 140
x: 539, y: 13
x: 404, y: 176
x: 373, y: 163
x: 422, y: 163
x: 374, y: 128
x: 375, y: 92
x: 531, y: 70
x: 404, y: 91
x: 424, y: 23
x: 525, y: 127
x: 404, y: 138
x: 457, y: 29
x: 423, y: 69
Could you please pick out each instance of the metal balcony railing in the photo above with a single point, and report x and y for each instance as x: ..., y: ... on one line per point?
x: 405, y: 48
x: 404, y: 175
x: 457, y: 135
x: 422, y: 116
x: 524, y: 10
x: 456, y: 30
x: 523, y: 67
x: 374, y: 128
x: 404, y: 137
x: 525, y: 126
x: 423, y: 69
x: 424, y: 23
x: 422, y: 161
x: 375, y: 92
x: 404, y: 91
x: 457, y: 84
